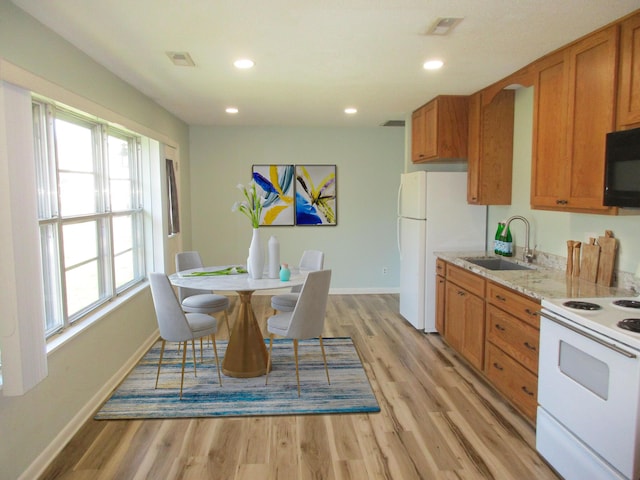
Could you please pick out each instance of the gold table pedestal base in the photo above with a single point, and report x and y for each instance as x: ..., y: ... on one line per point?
x: 246, y: 354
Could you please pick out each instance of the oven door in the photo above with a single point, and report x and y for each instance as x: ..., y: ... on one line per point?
x: 592, y: 388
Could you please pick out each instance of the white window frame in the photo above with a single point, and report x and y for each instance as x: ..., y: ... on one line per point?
x: 52, y: 221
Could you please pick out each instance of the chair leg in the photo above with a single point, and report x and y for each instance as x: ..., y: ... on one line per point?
x: 215, y: 352
x: 266, y: 380
x: 295, y: 355
x: 193, y: 350
x: 160, y: 362
x: 201, y: 360
x: 184, y: 359
x: 324, y: 357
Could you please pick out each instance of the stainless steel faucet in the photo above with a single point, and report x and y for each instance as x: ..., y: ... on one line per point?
x: 527, y: 254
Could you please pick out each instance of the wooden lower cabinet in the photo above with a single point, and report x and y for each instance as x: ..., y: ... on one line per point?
x: 514, y: 337
x: 440, y: 299
x: 464, y: 314
x: 497, y: 332
x: 514, y: 381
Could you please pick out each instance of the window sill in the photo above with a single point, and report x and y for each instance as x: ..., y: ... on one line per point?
x: 59, y: 340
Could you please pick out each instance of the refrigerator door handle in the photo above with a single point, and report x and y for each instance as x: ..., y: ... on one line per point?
x: 398, y: 236
x: 399, y: 197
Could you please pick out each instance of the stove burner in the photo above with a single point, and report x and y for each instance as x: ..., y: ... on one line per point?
x: 577, y: 305
x: 632, y: 324
x: 627, y: 303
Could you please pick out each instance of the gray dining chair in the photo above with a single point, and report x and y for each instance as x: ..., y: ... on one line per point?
x: 311, y: 260
x: 305, y: 321
x: 177, y: 326
x: 199, y: 301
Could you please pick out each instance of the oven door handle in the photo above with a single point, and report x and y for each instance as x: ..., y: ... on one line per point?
x: 611, y: 346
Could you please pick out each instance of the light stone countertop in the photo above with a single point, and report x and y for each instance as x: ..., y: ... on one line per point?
x: 539, y: 282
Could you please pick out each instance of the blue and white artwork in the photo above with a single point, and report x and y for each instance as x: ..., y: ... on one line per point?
x: 316, y: 195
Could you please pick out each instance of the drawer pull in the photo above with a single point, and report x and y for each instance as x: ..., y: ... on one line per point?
x: 500, y: 327
x: 531, y: 312
x: 498, y: 366
x: 461, y: 293
x: 529, y: 346
x: 527, y: 391
x: 501, y: 298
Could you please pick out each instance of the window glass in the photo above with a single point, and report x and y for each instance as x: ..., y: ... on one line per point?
x: 82, y: 287
x: 120, y: 174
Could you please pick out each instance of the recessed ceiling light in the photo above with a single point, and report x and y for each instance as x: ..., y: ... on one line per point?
x: 350, y: 111
x: 433, y: 64
x: 231, y: 110
x: 244, y: 63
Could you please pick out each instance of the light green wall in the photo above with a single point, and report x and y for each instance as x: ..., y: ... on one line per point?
x: 551, y: 230
x: 79, y: 369
x: 369, y: 162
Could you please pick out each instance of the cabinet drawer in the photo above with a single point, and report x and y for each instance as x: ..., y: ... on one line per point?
x: 441, y: 267
x: 514, y: 381
x: 516, y: 338
x: 520, y: 306
x: 469, y: 281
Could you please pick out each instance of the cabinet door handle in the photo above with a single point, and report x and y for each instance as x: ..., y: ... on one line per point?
x: 530, y: 347
x: 500, y: 327
x: 501, y: 298
x: 461, y: 293
x: 497, y: 366
x: 527, y: 391
x: 562, y: 202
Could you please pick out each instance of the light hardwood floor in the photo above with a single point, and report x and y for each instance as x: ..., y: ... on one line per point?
x: 439, y: 420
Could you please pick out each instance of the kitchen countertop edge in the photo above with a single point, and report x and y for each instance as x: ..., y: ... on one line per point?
x: 539, y: 282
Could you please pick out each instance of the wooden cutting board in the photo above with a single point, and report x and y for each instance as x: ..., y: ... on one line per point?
x: 589, y: 263
x: 608, y: 248
x: 576, y: 258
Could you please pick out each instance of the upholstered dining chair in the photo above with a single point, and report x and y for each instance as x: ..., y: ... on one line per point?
x: 177, y: 326
x: 305, y: 321
x: 199, y: 301
x: 311, y: 260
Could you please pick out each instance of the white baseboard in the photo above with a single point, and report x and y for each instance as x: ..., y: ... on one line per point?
x: 37, y: 468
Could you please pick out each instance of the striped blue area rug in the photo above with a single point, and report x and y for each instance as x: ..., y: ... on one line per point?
x: 202, y: 396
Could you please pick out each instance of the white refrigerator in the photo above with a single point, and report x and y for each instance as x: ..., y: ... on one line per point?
x: 433, y: 215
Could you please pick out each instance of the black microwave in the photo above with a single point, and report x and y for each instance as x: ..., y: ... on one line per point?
x: 622, y: 169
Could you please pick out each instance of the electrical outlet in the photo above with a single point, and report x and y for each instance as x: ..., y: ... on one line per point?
x: 385, y: 270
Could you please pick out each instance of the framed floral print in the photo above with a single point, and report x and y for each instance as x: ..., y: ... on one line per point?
x: 316, y: 195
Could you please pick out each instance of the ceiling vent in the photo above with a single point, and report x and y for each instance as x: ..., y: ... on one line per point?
x: 181, y: 59
x: 393, y: 123
x: 443, y: 26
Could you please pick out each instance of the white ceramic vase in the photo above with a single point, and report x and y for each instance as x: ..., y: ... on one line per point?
x: 255, y: 262
x: 273, y: 248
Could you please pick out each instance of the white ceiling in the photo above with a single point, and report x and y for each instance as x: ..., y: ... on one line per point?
x: 315, y: 57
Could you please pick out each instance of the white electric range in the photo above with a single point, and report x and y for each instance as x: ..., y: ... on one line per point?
x: 588, y: 422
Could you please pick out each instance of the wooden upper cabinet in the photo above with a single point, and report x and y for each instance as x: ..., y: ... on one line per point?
x: 574, y: 100
x: 629, y: 81
x: 439, y: 130
x: 490, y: 149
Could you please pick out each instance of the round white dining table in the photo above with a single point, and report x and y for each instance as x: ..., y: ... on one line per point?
x: 246, y: 354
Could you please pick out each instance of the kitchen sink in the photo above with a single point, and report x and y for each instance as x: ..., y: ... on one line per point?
x: 495, y: 263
